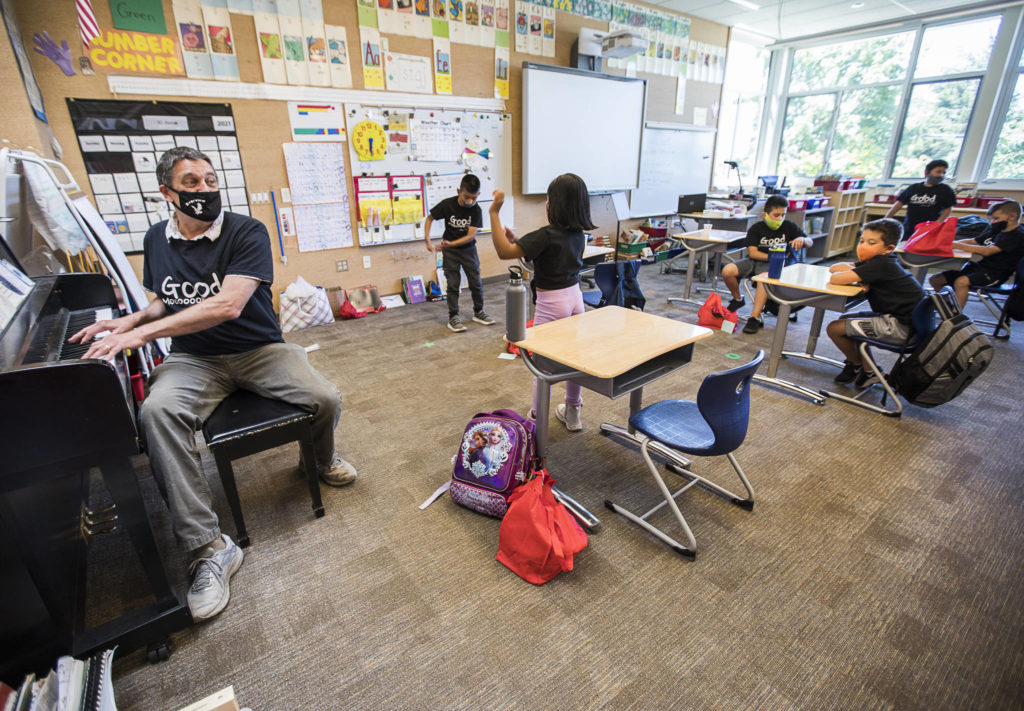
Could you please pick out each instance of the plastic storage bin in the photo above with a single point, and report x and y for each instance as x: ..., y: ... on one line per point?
x: 986, y: 201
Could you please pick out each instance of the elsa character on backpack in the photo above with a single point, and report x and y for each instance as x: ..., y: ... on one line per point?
x: 557, y: 254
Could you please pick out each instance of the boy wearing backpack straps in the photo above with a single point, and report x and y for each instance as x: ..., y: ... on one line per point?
x: 1001, y: 247
x: 892, y: 293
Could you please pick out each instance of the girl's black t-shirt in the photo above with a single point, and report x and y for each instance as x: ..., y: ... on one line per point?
x: 557, y: 256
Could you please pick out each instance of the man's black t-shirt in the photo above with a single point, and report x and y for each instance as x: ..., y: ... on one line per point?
x: 557, y: 256
x: 457, y: 219
x: 891, y: 288
x: 762, y: 236
x: 925, y: 203
x: 1003, y: 263
x: 185, y: 272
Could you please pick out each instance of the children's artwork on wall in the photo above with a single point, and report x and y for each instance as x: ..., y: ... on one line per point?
x: 314, y: 42
x: 270, y: 43
x: 370, y: 51
x: 548, y: 31
x: 222, y: 41
x: 289, y: 19
x: 522, y: 27
x: 501, y: 66
x: 337, y: 56
x: 121, y: 163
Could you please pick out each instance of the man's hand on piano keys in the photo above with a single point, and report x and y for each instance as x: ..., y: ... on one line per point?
x: 108, y: 347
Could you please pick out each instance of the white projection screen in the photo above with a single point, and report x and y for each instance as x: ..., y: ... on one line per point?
x: 581, y: 122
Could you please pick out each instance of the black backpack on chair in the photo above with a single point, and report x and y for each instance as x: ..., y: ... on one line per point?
x: 945, y: 361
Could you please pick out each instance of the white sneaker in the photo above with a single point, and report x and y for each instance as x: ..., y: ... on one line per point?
x: 341, y: 473
x: 209, y: 593
x: 569, y: 415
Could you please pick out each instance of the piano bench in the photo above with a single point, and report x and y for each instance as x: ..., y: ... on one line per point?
x: 246, y: 423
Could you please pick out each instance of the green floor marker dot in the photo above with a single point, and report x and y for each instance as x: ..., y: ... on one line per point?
x: 734, y: 356
x: 430, y: 344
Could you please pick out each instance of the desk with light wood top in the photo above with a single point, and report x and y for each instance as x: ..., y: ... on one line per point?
x: 716, y: 243
x: 802, y: 284
x: 612, y: 351
x: 919, y: 264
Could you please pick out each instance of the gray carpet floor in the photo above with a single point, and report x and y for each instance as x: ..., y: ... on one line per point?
x: 881, y: 566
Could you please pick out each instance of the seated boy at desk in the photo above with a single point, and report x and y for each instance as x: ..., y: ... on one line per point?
x: 1001, y: 247
x: 892, y: 293
x: 773, y: 229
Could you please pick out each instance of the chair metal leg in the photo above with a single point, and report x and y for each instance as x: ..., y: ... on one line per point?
x: 1002, y: 323
x: 688, y: 551
x: 895, y: 411
x: 227, y: 478
x: 746, y: 502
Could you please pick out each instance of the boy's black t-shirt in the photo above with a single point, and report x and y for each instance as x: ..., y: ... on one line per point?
x: 185, y: 272
x: 1003, y: 263
x: 457, y: 219
x: 762, y: 236
x: 891, y: 288
x: 557, y: 256
x: 925, y: 203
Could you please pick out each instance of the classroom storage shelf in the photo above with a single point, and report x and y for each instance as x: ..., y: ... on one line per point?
x: 816, y: 224
x: 849, y: 214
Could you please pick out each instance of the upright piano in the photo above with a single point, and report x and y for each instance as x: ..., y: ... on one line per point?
x: 61, y: 418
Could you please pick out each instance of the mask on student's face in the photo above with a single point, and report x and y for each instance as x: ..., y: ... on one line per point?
x: 933, y: 179
x: 999, y: 226
x: 204, y: 206
x: 772, y: 224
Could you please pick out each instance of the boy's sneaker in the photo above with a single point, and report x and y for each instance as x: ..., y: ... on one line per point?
x: 753, y: 325
x: 455, y: 324
x: 209, y: 593
x: 341, y: 473
x: 569, y: 415
x: 737, y: 304
x: 482, y: 317
x: 848, y: 373
x: 865, y: 379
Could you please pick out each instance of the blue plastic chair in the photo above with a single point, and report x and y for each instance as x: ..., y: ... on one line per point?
x: 617, y: 285
x: 714, y: 425
x: 922, y: 323
x: 996, y: 307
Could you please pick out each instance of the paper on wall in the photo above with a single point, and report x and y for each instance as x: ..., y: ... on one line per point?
x: 188, y: 20
x: 442, y: 66
x: 407, y: 72
x: 548, y: 30
x: 289, y: 19
x: 337, y: 54
x: 314, y: 41
x: 485, y: 31
x: 370, y: 56
x: 222, y: 40
x: 269, y: 42
x: 501, y: 67
x: 456, y: 21
x: 522, y: 27
x: 536, y: 43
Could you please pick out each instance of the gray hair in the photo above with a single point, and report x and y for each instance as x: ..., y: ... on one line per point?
x: 165, y: 168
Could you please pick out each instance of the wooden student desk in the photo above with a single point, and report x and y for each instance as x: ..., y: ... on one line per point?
x: 805, y: 284
x: 919, y: 264
x: 612, y: 351
x: 716, y: 244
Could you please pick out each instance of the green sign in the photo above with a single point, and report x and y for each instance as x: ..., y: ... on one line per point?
x: 139, y: 15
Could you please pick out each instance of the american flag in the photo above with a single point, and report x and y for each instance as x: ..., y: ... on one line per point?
x: 88, y: 28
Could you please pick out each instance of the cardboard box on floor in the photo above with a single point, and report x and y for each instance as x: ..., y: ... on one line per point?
x: 223, y: 700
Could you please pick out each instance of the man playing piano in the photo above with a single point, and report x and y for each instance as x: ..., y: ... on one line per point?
x: 211, y: 272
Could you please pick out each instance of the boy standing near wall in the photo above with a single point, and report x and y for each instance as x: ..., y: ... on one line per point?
x: 927, y: 201
x: 462, y: 218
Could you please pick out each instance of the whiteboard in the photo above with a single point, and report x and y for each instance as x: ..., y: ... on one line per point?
x: 674, y: 161
x: 581, y: 122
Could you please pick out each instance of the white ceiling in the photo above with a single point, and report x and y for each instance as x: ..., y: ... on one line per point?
x: 786, y: 19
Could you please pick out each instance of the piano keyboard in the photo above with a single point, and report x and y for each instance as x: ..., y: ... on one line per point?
x: 53, y: 331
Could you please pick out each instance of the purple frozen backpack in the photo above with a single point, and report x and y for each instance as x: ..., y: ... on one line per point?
x: 493, y: 459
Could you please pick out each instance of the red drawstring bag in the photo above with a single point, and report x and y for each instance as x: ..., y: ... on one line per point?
x: 933, y: 238
x: 712, y: 314
x: 538, y: 536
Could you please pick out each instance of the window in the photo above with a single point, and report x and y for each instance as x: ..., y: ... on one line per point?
x: 877, y: 107
x: 935, y: 126
x: 739, y: 126
x: 803, y: 144
x: 1008, y: 158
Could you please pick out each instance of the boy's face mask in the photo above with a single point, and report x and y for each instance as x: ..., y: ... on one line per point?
x: 933, y: 179
x: 773, y: 224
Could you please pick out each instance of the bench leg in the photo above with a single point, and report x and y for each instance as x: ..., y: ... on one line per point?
x: 227, y: 478
x: 309, y: 464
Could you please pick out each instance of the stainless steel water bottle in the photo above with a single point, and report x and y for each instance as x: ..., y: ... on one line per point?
x: 516, y: 306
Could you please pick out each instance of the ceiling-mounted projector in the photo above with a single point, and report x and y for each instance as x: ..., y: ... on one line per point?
x: 622, y: 44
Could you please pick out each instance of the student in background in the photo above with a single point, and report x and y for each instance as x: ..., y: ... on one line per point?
x: 462, y: 218
x: 927, y: 201
x: 772, y: 230
x: 892, y: 293
x: 557, y: 254
x: 1001, y: 247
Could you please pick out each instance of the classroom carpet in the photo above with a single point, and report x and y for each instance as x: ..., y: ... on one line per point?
x: 881, y: 566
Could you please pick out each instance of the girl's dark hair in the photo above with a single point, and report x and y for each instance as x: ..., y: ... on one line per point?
x: 569, y: 203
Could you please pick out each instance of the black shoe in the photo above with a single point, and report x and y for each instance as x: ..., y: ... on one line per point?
x: 848, y: 373
x: 753, y: 325
x: 865, y: 379
x: 736, y: 304
x: 793, y: 318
